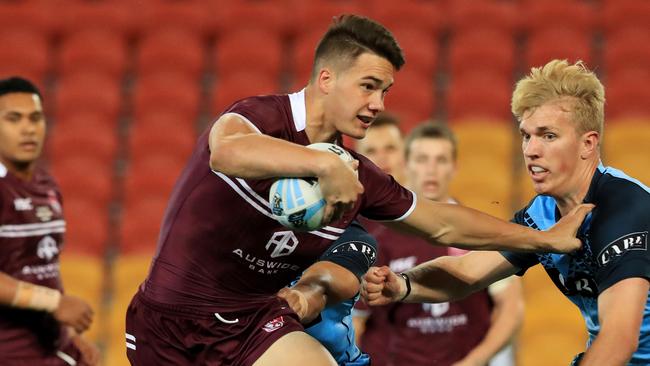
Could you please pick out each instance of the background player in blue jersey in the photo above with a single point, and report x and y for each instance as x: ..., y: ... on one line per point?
x: 561, y: 112
x: 326, y: 292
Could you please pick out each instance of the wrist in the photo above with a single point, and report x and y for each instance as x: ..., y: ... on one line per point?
x: 325, y: 164
x: 407, y: 286
x: 34, y: 297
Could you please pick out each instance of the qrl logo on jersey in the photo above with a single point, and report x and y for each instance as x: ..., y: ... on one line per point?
x: 47, y: 248
x: 274, y: 325
x: 283, y: 242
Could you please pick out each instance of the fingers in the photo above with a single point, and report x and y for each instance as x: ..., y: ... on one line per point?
x: 582, y: 210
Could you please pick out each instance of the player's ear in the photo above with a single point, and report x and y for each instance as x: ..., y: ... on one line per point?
x: 589, y: 144
x: 325, y: 79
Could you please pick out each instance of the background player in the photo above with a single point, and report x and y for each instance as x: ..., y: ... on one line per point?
x: 384, y: 146
x: 465, y: 332
x: 561, y: 112
x: 39, y: 325
x: 216, y: 278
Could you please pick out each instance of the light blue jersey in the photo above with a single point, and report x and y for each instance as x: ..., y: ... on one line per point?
x: 336, y: 333
x: 615, y: 247
x: 355, y: 250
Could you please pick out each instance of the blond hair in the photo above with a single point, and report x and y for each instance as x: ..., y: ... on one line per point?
x: 559, y: 80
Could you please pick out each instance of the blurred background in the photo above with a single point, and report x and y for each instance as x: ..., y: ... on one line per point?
x: 129, y: 84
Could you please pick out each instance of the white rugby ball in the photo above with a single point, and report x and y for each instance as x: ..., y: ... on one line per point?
x: 298, y: 203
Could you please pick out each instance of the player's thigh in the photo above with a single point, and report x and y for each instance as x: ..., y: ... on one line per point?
x: 296, y: 349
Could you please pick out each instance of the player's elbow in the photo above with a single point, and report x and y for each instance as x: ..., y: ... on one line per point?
x: 222, y: 156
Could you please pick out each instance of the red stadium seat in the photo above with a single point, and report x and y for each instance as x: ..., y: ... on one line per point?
x: 86, y: 226
x: 108, y: 16
x: 89, y: 92
x: 624, y: 51
x: 627, y: 96
x: 417, y: 15
x: 29, y: 16
x: 170, y: 50
x: 617, y: 14
x: 190, y: 16
x: 167, y: 90
x: 552, y: 44
x: 25, y: 53
x: 420, y: 49
x: 232, y: 87
x: 479, y: 95
x: 238, y: 15
x: 574, y: 15
x: 243, y: 51
x: 155, y: 140
x: 471, y: 15
x: 99, y: 141
x: 70, y: 119
x: 84, y: 177
x: 302, y: 59
x: 316, y: 16
x: 140, y: 225
x: 491, y: 51
x: 98, y: 51
x: 411, y: 98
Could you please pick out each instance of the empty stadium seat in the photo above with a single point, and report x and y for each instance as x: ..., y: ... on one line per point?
x: 489, y: 50
x: 411, y: 98
x: 550, y: 44
x: 250, y: 50
x: 26, y: 53
x: 89, y: 92
x: 417, y: 15
x: 317, y: 16
x: 167, y: 90
x: 191, y: 16
x: 99, y: 141
x: 420, y: 49
x: 573, y: 14
x: 617, y: 14
x: 140, y: 224
x: 94, y: 50
x: 627, y: 95
x: 624, y: 51
x: 237, y: 15
x: 479, y: 95
x: 170, y: 50
x: 472, y: 15
x: 86, y: 226
x: 115, y: 18
x: 232, y: 87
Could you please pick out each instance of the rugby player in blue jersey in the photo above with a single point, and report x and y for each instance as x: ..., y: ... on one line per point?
x: 560, y: 108
x: 325, y: 293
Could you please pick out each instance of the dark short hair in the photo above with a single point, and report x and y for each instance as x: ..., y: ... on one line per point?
x: 386, y: 119
x: 349, y: 36
x: 16, y: 84
x: 431, y: 130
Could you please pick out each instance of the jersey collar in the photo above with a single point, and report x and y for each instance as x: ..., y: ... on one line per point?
x: 298, y: 109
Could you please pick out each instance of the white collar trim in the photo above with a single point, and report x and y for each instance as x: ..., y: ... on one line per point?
x: 3, y: 171
x: 298, y: 109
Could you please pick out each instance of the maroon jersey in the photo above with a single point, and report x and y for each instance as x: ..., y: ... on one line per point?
x: 420, y: 334
x: 219, y: 248
x: 31, y: 237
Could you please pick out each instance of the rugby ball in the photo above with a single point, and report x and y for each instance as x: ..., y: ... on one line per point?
x: 298, y: 203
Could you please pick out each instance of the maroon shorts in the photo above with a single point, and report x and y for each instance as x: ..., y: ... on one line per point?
x: 159, y: 334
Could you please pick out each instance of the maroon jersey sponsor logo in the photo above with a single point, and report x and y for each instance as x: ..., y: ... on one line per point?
x: 274, y: 325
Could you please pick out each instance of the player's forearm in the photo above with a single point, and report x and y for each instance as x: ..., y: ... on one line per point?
x: 256, y: 156
x: 439, y: 280
x: 26, y: 295
x: 463, y: 227
x: 610, y: 349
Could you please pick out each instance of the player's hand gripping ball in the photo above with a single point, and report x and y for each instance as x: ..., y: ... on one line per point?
x: 298, y: 203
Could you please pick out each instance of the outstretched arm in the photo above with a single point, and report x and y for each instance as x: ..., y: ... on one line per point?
x: 620, y: 313
x: 321, y: 284
x: 463, y: 227
x: 439, y: 280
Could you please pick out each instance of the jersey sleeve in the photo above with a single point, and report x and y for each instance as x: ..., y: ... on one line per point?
x: 264, y: 113
x: 523, y: 261
x: 619, y: 233
x: 355, y: 250
x: 383, y: 198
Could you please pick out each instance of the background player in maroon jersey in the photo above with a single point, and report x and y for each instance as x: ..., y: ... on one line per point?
x: 384, y: 146
x: 466, y: 332
x: 209, y: 297
x: 39, y: 325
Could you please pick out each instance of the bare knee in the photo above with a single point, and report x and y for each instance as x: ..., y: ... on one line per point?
x: 296, y: 349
